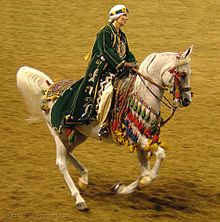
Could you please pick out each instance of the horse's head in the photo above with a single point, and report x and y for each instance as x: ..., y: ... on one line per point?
x: 177, y: 78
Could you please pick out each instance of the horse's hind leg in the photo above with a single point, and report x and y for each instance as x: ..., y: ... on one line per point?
x: 83, y: 179
x: 61, y: 162
x: 83, y: 172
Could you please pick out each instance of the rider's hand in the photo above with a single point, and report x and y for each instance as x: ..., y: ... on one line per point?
x: 128, y: 65
x: 136, y: 66
x: 126, y: 69
x: 131, y: 65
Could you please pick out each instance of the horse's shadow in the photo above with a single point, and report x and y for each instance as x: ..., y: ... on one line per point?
x: 156, y: 202
x: 165, y: 197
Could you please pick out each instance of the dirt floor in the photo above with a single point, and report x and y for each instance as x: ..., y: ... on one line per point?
x: 53, y: 36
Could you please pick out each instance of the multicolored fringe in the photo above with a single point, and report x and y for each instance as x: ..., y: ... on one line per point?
x: 132, y: 118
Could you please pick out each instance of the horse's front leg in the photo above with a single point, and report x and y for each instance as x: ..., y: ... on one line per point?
x: 145, y: 171
x: 147, y: 174
x: 148, y: 178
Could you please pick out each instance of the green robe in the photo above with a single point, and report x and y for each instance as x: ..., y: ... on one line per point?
x: 77, y: 104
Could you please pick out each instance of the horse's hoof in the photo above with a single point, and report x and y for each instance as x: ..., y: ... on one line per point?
x: 82, y: 185
x: 115, y: 187
x: 82, y: 206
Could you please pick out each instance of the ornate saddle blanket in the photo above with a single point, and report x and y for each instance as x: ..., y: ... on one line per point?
x: 54, y: 92
x: 58, y: 88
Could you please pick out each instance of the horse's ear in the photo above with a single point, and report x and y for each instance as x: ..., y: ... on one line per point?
x: 187, y: 52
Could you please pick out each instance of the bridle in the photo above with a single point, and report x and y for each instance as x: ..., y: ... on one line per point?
x: 177, y: 88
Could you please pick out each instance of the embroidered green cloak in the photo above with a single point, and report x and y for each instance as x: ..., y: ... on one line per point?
x: 77, y: 104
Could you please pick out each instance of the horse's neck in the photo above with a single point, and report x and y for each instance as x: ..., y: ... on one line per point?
x: 150, y: 93
x: 153, y: 66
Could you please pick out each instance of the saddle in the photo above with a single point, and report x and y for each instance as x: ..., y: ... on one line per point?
x: 103, y: 100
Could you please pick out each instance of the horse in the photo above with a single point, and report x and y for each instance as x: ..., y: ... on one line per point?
x: 157, y: 73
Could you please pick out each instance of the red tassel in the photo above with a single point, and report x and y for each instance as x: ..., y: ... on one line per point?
x: 177, y: 94
x: 155, y: 138
x: 147, y: 133
x: 115, y: 125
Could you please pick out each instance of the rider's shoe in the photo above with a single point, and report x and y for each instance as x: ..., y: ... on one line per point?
x: 103, y: 132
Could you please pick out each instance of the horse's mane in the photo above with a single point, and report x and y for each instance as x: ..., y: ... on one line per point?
x: 152, y: 65
x: 144, y: 68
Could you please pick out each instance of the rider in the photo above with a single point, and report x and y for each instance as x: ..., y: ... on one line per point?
x: 109, y: 55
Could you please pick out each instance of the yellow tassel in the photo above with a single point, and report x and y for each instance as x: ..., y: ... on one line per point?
x: 53, y: 98
x: 150, y: 146
x: 121, y: 139
x: 118, y: 133
x: 153, y: 147
x: 126, y: 143
x: 45, y: 107
x: 131, y: 148
x: 147, y: 148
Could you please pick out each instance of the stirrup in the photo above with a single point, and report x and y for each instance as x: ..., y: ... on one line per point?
x: 103, y: 132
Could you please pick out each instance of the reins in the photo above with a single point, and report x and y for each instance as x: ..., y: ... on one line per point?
x: 168, y: 104
x: 149, y: 79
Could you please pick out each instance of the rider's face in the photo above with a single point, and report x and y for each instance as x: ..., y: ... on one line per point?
x: 122, y: 19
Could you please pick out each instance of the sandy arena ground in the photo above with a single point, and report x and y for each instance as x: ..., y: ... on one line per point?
x: 53, y: 36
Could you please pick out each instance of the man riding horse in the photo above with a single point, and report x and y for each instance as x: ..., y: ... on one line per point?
x: 110, y: 57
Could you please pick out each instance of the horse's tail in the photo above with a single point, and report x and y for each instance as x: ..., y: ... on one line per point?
x: 31, y: 83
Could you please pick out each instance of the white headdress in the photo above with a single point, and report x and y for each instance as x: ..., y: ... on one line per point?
x: 116, y: 12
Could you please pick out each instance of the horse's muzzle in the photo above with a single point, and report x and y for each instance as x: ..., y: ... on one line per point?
x: 185, y: 102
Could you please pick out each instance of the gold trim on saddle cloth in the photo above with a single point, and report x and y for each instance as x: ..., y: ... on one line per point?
x: 55, y: 91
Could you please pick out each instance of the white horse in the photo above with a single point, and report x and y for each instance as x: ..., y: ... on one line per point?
x: 159, y: 71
